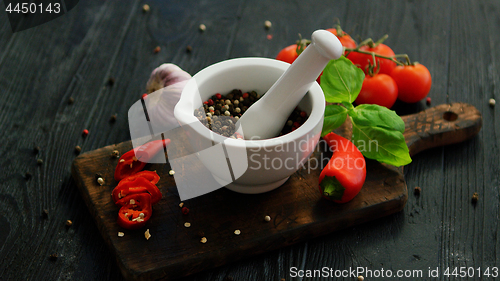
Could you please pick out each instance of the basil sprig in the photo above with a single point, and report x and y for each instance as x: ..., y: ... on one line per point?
x: 376, y: 130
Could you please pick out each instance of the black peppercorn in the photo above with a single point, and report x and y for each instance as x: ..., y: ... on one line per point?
x: 111, y: 81
x: 475, y: 197
x: 45, y: 213
x: 417, y: 190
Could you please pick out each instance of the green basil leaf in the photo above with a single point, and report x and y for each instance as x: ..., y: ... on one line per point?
x: 377, y: 116
x: 341, y: 81
x: 335, y: 115
x: 378, y: 134
x: 348, y: 106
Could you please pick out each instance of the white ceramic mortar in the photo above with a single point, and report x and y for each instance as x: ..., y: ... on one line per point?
x: 270, y: 161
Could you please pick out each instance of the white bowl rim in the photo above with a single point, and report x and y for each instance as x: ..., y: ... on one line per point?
x: 184, y: 110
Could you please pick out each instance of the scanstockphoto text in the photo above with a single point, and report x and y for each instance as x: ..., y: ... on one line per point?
x: 383, y: 273
x: 260, y: 160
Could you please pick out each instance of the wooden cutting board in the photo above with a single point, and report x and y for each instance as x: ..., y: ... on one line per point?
x: 297, y: 210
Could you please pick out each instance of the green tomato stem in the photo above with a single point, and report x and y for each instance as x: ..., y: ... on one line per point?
x: 301, y: 44
x: 373, y: 54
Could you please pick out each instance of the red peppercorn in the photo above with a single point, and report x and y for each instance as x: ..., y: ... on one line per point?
x: 85, y: 132
x: 205, y: 102
x: 218, y: 96
x: 303, y: 114
x: 428, y: 100
x: 245, y: 95
x: 294, y: 128
x: 210, y: 102
x: 296, y: 124
x: 185, y: 210
x: 144, y: 96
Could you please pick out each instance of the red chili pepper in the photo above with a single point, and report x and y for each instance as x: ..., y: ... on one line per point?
x: 137, y: 186
x: 134, y: 160
x: 147, y: 151
x: 151, y: 176
x: 128, y: 165
x: 344, y: 175
x: 135, y: 211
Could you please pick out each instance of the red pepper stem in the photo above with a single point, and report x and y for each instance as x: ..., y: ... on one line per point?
x: 332, y: 188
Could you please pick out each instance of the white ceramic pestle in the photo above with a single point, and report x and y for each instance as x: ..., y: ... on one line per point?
x: 265, y: 118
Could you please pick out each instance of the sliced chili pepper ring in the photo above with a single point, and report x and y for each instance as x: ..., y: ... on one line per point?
x: 134, y: 160
x: 137, y: 186
x: 135, y: 213
x: 128, y: 165
x: 151, y: 176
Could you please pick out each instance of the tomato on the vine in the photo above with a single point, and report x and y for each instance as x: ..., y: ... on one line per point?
x: 288, y: 54
x: 344, y: 38
x: 362, y: 60
x: 414, y: 82
x: 378, y: 89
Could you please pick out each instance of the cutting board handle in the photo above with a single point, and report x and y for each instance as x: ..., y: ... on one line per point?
x: 441, y: 125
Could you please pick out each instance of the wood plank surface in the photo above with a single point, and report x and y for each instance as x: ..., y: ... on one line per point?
x: 297, y: 208
x: 298, y: 212
x: 75, y: 55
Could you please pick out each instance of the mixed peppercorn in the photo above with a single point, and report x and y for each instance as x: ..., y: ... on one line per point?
x: 221, y: 112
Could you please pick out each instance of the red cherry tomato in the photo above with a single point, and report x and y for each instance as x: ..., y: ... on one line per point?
x: 379, y: 89
x: 414, y: 82
x: 362, y: 60
x: 344, y: 38
x: 346, y: 41
x: 288, y: 54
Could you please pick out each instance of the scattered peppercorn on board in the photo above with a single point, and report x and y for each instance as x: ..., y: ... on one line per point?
x: 225, y: 226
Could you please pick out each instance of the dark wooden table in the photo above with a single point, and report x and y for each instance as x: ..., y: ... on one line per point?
x: 75, y: 56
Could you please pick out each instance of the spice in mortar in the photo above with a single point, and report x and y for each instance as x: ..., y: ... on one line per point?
x: 221, y: 112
